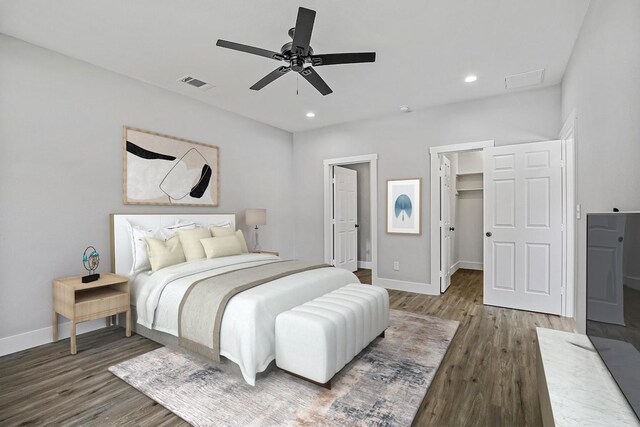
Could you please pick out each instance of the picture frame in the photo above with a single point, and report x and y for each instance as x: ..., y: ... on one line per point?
x: 165, y: 170
x: 404, y: 206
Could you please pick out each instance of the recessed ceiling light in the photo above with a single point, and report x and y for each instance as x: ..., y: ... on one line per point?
x: 470, y: 79
x: 311, y: 114
x: 405, y: 108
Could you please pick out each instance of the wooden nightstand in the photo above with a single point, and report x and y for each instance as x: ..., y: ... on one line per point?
x: 267, y: 252
x: 81, y: 302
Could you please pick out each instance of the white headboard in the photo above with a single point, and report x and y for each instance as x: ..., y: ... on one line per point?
x: 121, y: 258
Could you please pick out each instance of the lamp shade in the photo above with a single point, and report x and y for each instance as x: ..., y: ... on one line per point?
x: 255, y: 216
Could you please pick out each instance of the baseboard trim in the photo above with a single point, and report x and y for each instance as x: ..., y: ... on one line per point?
x: 455, y: 268
x: 632, y: 282
x: 470, y: 265
x: 26, y: 340
x: 401, y: 285
x: 364, y: 264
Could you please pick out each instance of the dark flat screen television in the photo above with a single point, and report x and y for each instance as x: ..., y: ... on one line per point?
x: 613, y: 297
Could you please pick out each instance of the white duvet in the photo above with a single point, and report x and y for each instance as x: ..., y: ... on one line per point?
x: 247, y: 331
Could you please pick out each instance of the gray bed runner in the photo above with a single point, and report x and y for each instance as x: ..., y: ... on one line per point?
x: 203, y: 304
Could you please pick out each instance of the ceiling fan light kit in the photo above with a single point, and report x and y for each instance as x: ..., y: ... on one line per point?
x: 299, y: 54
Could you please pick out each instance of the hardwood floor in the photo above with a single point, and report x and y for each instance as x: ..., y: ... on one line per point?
x: 487, y: 377
x: 364, y: 274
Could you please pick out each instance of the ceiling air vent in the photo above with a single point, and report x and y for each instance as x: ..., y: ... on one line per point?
x: 192, y: 81
x: 530, y: 78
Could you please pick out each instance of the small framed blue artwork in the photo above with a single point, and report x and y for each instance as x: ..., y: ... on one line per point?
x: 404, y: 213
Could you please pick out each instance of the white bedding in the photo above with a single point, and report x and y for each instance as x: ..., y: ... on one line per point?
x: 247, y: 330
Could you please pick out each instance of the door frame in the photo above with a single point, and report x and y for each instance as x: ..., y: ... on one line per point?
x: 568, y: 137
x: 372, y: 159
x: 434, y: 153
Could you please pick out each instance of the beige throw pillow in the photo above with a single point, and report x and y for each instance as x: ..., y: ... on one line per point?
x: 222, y: 231
x: 243, y: 243
x: 190, y: 240
x: 216, y: 247
x: 164, y: 253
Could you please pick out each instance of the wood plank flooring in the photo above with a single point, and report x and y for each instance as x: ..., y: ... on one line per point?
x: 364, y: 274
x: 487, y: 377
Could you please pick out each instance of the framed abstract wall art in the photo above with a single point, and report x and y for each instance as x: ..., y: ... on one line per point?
x: 165, y: 170
x: 404, y: 214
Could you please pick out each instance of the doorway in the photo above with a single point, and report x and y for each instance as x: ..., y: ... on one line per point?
x: 527, y: 223
x: 461, y: 213
x: 350, y: 215
x: 456, y: 210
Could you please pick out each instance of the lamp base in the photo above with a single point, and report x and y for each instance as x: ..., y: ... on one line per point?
x: 90, y: 278
x: 256, y: 247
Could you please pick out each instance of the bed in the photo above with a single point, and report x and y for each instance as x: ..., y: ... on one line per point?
x: 247, y: 326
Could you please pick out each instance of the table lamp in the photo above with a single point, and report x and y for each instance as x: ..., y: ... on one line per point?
x: 256, y: 217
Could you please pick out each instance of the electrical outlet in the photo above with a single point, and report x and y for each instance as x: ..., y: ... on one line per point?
x: 396, y: 265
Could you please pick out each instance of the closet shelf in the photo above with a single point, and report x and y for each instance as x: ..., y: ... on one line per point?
x: 469, y: 189
x: 468, y: 173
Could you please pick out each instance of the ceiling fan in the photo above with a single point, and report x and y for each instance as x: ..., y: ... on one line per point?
x: 298, y: 53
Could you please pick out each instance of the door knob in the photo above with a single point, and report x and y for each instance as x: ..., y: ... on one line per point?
x: 452, y: 228
x: 357, y: 225
x: 489, y: 234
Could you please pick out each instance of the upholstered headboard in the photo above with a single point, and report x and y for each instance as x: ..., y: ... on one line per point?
x: 121, y: 258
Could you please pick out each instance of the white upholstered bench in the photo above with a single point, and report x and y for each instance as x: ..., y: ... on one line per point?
x: 317, y: 339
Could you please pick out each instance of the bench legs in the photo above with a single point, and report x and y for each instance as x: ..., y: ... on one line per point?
x: 326, y: 385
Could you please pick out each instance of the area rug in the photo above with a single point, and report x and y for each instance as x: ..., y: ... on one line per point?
x: 383, y: 386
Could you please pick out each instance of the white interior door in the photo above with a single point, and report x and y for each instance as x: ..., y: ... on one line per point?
x: 605, y: 236
x: 445, y: 223
x: 523, y: 226
x: 345, y: 216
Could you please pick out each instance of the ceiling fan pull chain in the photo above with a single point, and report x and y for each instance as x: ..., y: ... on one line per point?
x: 297, y: 80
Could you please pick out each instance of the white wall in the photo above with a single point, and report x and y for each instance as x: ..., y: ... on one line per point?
x: 364, y: 210
x: 470, y: 162
x: 402, y: 142
x: 602, y: 82
x: 61, y: 169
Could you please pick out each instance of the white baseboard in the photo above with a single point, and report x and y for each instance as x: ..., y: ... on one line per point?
x: 401, y: 285
x: 470, y: 265
x: 364, y: 264
x: 632, y: 282
x: 455, y: 267
x: 38, y: 337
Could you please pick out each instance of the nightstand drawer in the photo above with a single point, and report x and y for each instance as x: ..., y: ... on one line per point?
x: 99, y: 302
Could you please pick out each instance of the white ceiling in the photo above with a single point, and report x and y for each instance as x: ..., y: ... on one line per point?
x: 424, y: 48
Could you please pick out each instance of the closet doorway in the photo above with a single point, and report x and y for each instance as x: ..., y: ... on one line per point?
x: 461, y: 213
x: 456, y: 210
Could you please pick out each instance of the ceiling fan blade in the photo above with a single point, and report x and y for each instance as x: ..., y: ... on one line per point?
x: 342, y: 58
x: 275, y: 74
x: 302, y: 32
x: 316, y: 81
x: 250, y: 49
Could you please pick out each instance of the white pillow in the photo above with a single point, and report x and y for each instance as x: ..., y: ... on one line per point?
x: 138, y: 248
x: 216, y: 247
x: 170, y: 231
x: 220, y: 224
x: 139, y: 253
